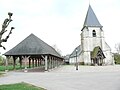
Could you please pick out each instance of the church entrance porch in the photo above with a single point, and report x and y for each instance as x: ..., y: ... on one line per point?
x: 96, y: 61
x: 97, y: 56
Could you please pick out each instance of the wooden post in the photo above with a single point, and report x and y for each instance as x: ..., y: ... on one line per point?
x: 38, y: 62
x: 6, y: 63
x: 29, y: 62
x: 25, y: 64
x: 14, y: 62
x: 54, y: 63
x: 33, y: 62
x: 20, y: 62
x: 46, y: 63
x: 48, y: 60
x: 57, y: 62
x: 51, y: 62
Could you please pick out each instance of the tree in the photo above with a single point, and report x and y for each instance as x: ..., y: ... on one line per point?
x: 117, y: 58
x: 56, y: 48
x: 4, y: 27
x: 117, y: 47
x: 117, y: 55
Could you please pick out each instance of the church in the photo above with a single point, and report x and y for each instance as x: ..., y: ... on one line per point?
x: 93, y: 49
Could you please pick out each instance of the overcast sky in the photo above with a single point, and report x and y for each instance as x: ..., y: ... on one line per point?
x: 59, y: 22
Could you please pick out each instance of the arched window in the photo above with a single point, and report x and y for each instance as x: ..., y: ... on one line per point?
x: 94, y: 33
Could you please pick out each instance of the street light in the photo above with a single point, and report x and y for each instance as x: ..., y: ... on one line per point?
x: 76, y: 60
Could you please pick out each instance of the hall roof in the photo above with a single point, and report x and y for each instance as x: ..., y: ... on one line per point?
x: 91, y: 19
x: 32, y: 45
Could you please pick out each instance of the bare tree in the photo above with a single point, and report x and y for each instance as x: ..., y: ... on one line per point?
x: 56, y: 48
x: 117, y: 47
x: 4, y: 27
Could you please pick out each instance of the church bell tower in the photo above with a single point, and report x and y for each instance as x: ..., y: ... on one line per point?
x: 91, y: 36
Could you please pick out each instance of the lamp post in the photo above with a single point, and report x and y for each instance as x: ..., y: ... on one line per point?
x: 76, y: 60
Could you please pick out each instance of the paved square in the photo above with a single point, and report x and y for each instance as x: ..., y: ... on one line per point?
x: 67, y: 78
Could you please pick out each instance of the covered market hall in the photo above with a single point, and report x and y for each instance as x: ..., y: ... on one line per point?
x: 33, y: 52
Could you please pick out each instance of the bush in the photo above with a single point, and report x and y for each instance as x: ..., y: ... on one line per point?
x: 81, y: 63
x: 117, y: 58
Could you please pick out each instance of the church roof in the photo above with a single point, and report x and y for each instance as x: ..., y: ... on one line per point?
x: 73, y: 54
x: 32, y: 45
x: 91, y: 19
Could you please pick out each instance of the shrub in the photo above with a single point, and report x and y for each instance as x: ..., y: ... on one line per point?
x: 81, y: 63
x: 117, y: 58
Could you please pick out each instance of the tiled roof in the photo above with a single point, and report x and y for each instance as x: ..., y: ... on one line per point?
x: 32, y: 45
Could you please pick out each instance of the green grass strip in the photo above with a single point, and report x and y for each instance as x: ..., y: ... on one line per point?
x: 19, y: 86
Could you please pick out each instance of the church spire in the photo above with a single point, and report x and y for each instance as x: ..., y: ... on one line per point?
x: 91, y: 19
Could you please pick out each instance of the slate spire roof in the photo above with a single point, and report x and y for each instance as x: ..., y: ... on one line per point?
x: 91, y: 19
x: 32, y: 45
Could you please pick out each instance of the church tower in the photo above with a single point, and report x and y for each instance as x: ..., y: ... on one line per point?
x: 92, y: 37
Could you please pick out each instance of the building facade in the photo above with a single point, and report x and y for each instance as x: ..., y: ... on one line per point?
x: 93, y: 49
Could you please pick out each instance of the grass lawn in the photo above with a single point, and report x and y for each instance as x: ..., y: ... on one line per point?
x: 19, y: 86
x: 9, y: 67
